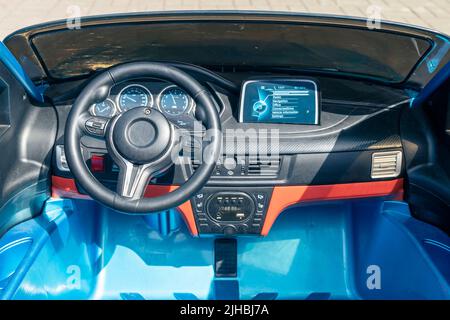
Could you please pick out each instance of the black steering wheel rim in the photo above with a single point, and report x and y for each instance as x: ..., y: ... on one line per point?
x: 97, y: 90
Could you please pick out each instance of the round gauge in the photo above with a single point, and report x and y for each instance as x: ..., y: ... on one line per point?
x: 134, y: 96
x: 174, y: 101
x: 105, y: 109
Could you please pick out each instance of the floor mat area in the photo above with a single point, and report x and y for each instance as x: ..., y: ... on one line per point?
x: 81, y: 250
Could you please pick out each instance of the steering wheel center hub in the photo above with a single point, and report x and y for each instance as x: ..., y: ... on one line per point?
x: 141, y: 133
x: 141, y: 136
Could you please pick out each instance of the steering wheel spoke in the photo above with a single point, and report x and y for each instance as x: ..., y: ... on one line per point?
x: 133, y: 180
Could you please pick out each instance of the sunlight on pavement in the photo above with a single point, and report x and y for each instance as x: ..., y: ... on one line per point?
x: 434, y: 14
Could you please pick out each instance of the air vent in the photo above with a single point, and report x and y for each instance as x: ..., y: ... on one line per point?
x: 263, y: 166
x: 386, y: 164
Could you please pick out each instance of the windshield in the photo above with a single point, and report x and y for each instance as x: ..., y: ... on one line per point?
x: 217, y: 45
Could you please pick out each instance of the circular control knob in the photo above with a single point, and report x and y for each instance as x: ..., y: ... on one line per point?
x: 229, y: 230
x: 229, y: 163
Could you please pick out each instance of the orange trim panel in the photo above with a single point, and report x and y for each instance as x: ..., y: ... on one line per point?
x: 66, y: 188
x: 285, y: 196
x: 282, y: 196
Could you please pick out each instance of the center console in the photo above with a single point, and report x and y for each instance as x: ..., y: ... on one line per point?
x: 230, y: 211
x: 243, y: 210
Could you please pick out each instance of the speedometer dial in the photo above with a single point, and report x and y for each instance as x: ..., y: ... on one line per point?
x: 134, y: 96
x: 174, y: 101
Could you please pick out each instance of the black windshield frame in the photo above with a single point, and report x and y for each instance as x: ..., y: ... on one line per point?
x: 427, y: 73
x: 382, y: 56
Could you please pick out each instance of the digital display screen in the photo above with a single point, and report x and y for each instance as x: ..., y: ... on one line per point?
x: 294, y: 101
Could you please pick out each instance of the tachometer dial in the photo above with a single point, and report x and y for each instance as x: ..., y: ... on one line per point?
x: 134, y: 96
x: 105, y: 109
x: 174, y: 101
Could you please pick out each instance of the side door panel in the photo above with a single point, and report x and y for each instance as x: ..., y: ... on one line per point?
x: 427, y: 152
x: 27, y: 134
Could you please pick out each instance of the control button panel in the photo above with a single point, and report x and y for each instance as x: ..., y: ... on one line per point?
x: 199, y: 202
x: 232, y: 211
x: 230, y: 207
x: 230, y: 166
x: 96, y: 126
x: 242, y: 166
x: 260, y: 201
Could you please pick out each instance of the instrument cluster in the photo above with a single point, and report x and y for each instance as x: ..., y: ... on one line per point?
x: 171, y: 100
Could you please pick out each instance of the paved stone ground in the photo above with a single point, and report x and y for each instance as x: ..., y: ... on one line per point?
x: 434, y: 14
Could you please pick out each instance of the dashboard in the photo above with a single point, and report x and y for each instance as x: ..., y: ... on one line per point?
x: 330, y: 132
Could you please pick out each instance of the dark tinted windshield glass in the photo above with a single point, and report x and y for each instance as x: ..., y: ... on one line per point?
x: 382, y: 55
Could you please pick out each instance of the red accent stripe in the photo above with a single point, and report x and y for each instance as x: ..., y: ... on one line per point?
x: 66, y: 188
x: 282, y: 196
x: 285, y: 196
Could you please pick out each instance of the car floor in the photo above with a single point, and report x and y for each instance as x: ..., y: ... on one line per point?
x: 360, y: 249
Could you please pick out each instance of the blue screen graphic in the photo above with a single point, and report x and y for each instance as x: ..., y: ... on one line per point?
x: 280, y: 101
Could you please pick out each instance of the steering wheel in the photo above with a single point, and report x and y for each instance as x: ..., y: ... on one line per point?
x: 140, y: 141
